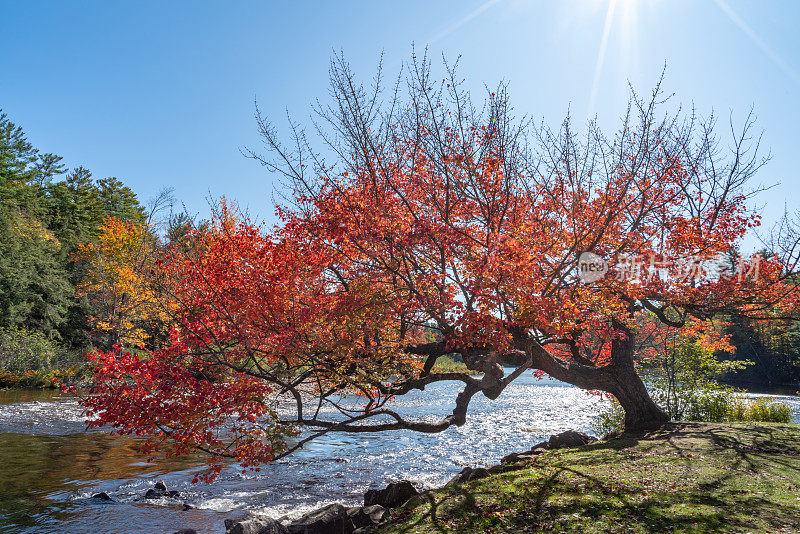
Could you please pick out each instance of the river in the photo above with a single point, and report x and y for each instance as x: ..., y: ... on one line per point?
x: 50, y: 465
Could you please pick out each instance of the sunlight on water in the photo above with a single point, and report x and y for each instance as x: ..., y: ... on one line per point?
x: 52, y: 466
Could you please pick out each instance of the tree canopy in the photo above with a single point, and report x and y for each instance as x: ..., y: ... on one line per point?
x: 426, y: 210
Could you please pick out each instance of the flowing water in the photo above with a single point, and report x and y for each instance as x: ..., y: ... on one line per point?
x: 50, y: 466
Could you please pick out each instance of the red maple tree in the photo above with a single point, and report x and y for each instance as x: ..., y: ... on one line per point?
x: 426, y: 212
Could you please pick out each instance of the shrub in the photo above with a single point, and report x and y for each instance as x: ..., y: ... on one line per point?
x: 609, y: 420
x: 716, y: 406
x: 761, y: 409
x: 682, y: 376
x: 24, y: 350
x: 713, y: 406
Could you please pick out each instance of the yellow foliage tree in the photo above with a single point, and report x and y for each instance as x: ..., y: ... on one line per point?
x: 120, y: 267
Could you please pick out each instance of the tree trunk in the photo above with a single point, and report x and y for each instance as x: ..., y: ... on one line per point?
x: 619, y: 378
x: 641, y: 412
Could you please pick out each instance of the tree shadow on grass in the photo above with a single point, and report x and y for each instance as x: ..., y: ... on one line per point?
x: 718, y: 470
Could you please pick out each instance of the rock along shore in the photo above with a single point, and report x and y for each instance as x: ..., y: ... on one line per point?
x: 378, y: 503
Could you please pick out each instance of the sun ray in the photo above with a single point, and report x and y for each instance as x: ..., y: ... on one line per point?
x: 601, y: 54
x: 736, y: 19
x: 453, y: 27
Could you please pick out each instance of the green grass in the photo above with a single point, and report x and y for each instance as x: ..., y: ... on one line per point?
x: 696, y: 477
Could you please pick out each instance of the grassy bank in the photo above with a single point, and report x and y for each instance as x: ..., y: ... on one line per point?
x: 446, y: 364
x: 696, y: 477
x: 45, y: 378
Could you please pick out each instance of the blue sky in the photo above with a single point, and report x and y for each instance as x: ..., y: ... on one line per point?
x: 161, y: 93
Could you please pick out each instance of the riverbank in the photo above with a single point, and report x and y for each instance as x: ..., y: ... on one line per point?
x: 695, y: 477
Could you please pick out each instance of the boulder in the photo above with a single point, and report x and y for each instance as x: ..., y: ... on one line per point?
x: 564, y: 440
x: 159, y: 490
x: 392, y: 495
x: 186, y: 531
x: 569, y: 439
x: 254, y: 525
x: 477, y: 474
x: 103, y: 496
x: 331, y: 519
x: 468, y: 474
x: 497, y: 469
x: 366, y: 516
x: 522, y: 456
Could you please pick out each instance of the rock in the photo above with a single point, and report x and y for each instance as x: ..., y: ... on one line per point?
x: 509, y: 458
x: 103, y: 496
x: 160, y: 490
x: 366, y: 516
x: 564, y: 440
x: 254, y: 525
x: 522, y: 456
x: 185, y: 507
x: 497, y: 469
x: 468, y: 474
x: 186, y: 531
x: 364, y: 530
x: 456, y: 479
x: 331, y: 519
x: 477, y: 474
x: 569, y: 439
x: 537, y: 449
x: 392, y: 495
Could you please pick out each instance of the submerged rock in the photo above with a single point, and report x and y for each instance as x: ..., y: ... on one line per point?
x: 102, y: 496
x: 392, y: 495
x: 160, y: 490
x: 186, y: 531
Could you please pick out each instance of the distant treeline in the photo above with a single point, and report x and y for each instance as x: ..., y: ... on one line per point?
x: 773, y: 348
x: 46, y: 212
x: 51, y: 219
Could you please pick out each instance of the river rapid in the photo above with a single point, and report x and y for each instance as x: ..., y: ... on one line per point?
x: 50, y: 465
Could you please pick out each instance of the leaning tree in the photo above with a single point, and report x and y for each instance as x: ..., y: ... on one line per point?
x: 408, y: 210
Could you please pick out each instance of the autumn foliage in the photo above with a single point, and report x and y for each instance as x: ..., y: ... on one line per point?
x: 467, y: 222
x: 120, y: 281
